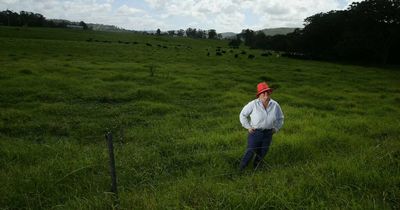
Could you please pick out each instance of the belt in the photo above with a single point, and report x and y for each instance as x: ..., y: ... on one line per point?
x: 263, y: 130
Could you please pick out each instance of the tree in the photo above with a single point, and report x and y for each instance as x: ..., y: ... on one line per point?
x: 235, y: 43
x: 191, y: 32
x: 180, y: 32
x: 260, y: 40
x: 31, y: 19
x: 83, y: 24
x: 248, y: 36
x: 378, y: 22
x: 212, y: 34
x: 10, y: 18
x: 367, y: 31
x: 171, y: 33
x: 158, y: 32
x: 201, y: 34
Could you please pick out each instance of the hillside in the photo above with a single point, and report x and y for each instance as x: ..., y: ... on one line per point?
x: 227, y: 35
x: 276, y: 31
x: 102, y: 27
x: 173, y: 111
x: 267, y: 31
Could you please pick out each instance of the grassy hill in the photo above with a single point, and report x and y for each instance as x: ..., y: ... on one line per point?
x: 229, y: 35
x: 267, y: 31
x: 174, y: 111
x: 276, y: 31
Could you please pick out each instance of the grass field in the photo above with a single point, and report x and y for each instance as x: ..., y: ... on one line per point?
x: 174, y: 114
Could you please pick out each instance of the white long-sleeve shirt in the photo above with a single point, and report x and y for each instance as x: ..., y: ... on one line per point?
x: 261, y: 118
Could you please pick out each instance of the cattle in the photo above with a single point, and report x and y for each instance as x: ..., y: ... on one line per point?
x: 266, y: 54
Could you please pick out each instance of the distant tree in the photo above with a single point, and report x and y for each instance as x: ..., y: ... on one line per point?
x: 10, y: 18
x: 277, y: 42
x: 235, y: 43
x: 25, y: 18
x: 201, y: 34
x: 158, y: 32
x: 180, y: 32
x: 376, y: 24
x: 212, y: 34
x: 248, y: 36
x: 4, y: 19
x: 50, y: 24
x: 31, y: 19
x: 62, y: 24
x: 196, y: 33
x: 367, y: 31
x: 171, y: 33
x: 260, y: 40
x: 83, y: 24
x: 295, y: 41
x: 191, y: 32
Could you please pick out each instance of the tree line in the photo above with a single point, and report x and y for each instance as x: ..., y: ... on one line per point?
x: 192, y: 33
x: 366, y: 31
x: 10, y: 18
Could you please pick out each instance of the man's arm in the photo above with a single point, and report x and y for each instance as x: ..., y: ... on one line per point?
x: 244, y: 115
x: 278, y: 123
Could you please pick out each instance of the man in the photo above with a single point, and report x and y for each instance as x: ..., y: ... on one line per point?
x: 266, y: 118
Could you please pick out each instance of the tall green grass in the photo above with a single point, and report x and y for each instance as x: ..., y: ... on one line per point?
x: 174, y: 115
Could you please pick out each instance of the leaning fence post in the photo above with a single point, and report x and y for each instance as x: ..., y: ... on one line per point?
x: 112, y: 164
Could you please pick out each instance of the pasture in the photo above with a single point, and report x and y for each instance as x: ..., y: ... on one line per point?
x: 173, y: 107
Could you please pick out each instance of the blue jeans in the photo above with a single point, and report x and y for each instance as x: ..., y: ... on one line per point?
x: 257, y: 144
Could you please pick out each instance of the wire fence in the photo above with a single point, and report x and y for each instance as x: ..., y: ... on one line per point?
x: 194, y: 155
x: 236, y: 172
x: 161, y: 181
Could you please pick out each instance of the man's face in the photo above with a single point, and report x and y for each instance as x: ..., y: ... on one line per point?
x: 265, y: 95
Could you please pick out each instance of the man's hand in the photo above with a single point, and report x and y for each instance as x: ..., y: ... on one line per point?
x: 274, y: 130
x: 251, y: 130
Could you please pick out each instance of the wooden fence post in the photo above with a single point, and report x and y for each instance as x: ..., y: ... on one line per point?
x: 112, y: 164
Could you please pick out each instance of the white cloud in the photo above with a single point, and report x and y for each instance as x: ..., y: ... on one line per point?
x: 8, y: 1
x: 225, y: 14
x: 90, y: 11
x: 157, y: 3
x: 127, y: 11
x: 229, y: 22
x: 349, y: 2
x: 72, y: 10
x: 291, y: 13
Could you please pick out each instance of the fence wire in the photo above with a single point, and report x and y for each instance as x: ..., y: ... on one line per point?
x: 236, y: 172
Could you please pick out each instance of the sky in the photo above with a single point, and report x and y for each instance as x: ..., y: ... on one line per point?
x: 221, y: 15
